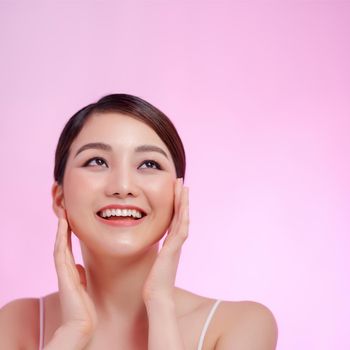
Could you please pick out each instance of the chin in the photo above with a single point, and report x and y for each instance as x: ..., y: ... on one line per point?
x: 118, y: 252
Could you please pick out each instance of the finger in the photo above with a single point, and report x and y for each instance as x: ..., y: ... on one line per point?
x: 177, y: 194
x: 63, y: 245
x: 82, y: 274
x: 69, y: 242
x: 183, y: 217
x: 184, y: 214
x: 60, y: 238
x: 63, y: 215
x: 179, y: 230
x: 177, y: 199
x: 68, y: 276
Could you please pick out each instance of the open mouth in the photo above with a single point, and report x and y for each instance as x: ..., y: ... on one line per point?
x: 121, y: 214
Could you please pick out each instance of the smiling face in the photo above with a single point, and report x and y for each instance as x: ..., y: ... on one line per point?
x: 118, y: 187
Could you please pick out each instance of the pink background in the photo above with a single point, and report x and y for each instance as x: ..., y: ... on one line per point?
x: 260, y: 94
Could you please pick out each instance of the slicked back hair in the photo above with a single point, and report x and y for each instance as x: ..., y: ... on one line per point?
x: 128, y: 105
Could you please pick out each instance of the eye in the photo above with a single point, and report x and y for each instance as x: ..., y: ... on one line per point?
x: 150, y: 164
x: 96, y: 162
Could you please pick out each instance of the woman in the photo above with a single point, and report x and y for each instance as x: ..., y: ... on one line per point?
x: 119, y: 170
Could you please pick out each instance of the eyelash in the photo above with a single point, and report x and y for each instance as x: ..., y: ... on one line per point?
x: 153, y: 163
x: 87, y: 163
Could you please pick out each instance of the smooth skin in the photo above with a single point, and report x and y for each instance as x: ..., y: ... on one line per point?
x: 124, y: 297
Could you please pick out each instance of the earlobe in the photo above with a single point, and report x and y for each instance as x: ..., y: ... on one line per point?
x: 58, y: 200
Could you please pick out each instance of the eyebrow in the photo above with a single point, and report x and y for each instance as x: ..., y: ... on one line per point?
x: 151, y: 148
x: 94, y: 145
x: 104, y: 147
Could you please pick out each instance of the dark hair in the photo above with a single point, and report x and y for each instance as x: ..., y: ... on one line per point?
x: 129, y: 105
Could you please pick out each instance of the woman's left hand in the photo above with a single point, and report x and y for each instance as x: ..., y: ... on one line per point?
x: 161, y: 279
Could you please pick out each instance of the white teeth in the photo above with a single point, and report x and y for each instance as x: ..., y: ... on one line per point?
x: 121, y: 212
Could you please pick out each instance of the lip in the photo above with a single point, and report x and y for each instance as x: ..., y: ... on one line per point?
x: 124, y: 222
x: 121, y: 223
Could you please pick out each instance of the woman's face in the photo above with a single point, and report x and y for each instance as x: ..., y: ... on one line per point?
x: 118, y: 188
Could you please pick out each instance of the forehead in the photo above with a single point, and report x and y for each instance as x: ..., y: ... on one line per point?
x: 118, y: 130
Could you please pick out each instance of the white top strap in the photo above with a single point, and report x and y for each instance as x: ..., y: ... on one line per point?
x: 41, y: 313
x: 206, y: 324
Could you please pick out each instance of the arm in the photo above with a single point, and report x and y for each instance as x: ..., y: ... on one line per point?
x: 68, y: 338
x: 163, y: 330
x: 158, y: 291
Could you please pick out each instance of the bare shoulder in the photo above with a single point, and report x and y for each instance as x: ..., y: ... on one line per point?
x: 234, y: 325
x: 19, y: 320
x: 245, y: 325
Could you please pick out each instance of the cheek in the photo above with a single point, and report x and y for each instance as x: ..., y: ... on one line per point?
x: 80, y: 188
x: 78, y: 198
x: 162, y: 194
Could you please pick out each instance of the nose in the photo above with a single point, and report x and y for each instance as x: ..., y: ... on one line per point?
x: 121, y: 183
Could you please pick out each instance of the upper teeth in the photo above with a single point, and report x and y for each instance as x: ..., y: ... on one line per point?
x: 121, y: 212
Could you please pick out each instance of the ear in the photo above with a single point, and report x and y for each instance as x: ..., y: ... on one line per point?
x: 58, y: 200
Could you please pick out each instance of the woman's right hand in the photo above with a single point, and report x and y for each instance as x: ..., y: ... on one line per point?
x: 79, y: 317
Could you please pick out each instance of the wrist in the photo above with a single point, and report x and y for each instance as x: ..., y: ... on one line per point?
x: 69, y: 338
x: 160, y: 302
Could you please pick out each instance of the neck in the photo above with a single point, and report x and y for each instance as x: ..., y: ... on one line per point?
x: 115, y: 284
